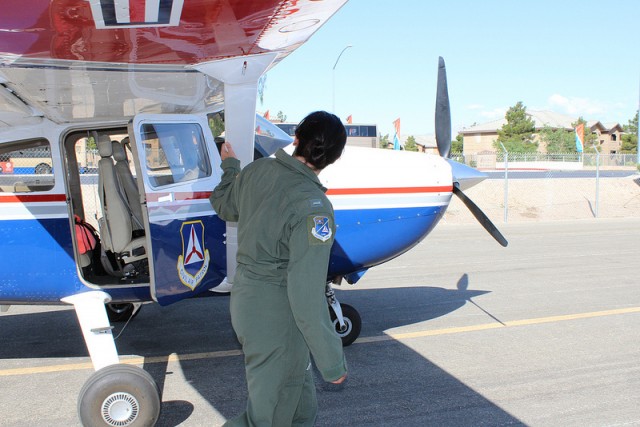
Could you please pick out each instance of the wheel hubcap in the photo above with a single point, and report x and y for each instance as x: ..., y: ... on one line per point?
x: 120, y: 409
x: 342, y: 330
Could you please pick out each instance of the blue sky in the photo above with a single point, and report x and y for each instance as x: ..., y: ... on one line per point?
x: 580, y: 58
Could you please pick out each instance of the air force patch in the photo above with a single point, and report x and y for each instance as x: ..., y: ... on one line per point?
x: 321, y: 228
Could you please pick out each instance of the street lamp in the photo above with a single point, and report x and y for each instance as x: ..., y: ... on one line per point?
x: 333, y: 105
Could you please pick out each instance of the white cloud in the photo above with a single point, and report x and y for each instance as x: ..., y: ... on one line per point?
x: 587, y: 108
x: 482, y: 112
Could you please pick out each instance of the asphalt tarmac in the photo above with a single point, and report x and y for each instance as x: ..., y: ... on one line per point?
x: 457, y: 332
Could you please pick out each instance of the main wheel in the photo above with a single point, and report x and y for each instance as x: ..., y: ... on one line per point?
x: 352, y: 324
x: 119, y: 396
x: 119, y: 312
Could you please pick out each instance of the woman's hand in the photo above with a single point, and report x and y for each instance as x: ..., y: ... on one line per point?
x: 340, y: 380
x: 226, y: 151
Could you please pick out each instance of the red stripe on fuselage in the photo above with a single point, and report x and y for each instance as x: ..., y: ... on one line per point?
x: 154, y: 197
x: 26, y: 198
x: 388, y: 190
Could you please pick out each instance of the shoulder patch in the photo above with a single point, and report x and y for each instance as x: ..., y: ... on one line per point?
x: 320, y: 229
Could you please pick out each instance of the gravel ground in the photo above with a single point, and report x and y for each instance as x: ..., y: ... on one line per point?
x: 551, y: 199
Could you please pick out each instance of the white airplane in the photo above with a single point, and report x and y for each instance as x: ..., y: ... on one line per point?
x: 146, y: 81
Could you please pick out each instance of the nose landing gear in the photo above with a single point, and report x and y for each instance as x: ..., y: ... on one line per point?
x: 345, y: 318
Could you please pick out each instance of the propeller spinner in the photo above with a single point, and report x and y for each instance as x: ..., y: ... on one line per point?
x: 443, y: 140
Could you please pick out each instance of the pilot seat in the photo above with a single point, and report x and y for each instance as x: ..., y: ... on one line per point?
x: 121, y: 229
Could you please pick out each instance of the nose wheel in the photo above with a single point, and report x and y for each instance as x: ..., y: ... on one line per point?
x: 349, y: 329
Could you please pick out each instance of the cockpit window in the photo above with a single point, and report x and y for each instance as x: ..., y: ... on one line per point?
x: 26, y: 166
x: 174, y: 153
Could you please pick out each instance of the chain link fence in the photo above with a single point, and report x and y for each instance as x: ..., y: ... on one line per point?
x: 547, y: 187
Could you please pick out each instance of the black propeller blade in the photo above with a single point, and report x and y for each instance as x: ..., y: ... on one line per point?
x: 443, y: 140
x: 480, y: 216
x: 443, y: 113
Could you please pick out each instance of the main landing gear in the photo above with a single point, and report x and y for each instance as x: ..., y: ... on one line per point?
x: 116, y: 394
x: 119, y: 395
x: 345, y: 318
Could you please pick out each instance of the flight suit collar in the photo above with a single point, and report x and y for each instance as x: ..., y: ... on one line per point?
x: 298, y: 166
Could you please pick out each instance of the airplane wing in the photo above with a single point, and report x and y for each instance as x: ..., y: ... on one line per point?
x: 78, y: 60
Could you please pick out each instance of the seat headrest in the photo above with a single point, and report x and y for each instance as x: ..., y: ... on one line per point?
x: 119, y: 154
x: 104, y: 146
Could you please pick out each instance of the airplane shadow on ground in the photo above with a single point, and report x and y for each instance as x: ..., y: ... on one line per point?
x: 389, y: 383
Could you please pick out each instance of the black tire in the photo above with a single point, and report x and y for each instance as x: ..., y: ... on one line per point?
x: 42, y: 168
x: 119, y: 312
x: 119, y: 395
x: 352, y: 321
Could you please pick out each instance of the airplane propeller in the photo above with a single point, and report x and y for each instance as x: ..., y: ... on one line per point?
x: 443, y: 113
x: 443, y: 141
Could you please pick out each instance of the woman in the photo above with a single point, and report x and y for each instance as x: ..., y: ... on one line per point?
x: 278, y: 307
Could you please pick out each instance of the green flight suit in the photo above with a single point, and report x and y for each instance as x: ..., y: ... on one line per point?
x: 278, y: 308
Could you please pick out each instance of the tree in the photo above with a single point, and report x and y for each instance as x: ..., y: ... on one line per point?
x: 630, y: 137
x: 384, y: 141
x: 517, y: 134
x: 564, y: 141
x: 457, y: 145
x: 216, y: 124
x: 281, y: 116
x: 91, y: 143
x: 410, y: 144
x: 558, y: 140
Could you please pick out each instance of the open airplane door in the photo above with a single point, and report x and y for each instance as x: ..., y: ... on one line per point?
x: 176, y: 171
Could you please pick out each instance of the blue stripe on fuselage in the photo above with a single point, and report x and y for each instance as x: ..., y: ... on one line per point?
x: 36, y: 261
x: 366, y: 238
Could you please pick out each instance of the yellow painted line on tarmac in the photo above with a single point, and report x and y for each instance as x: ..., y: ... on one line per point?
x: 496, y: 325
x: 129, y: 361
x: 363, y: 340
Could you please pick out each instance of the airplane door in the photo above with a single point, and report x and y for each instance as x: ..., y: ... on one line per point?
x: 178, y: 164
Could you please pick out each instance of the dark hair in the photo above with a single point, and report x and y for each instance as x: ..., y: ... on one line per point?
x: 321, y: 139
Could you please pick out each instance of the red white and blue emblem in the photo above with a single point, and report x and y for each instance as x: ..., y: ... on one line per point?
x: 193, y: 263
x: 136, y: 13
x: 321, y: 228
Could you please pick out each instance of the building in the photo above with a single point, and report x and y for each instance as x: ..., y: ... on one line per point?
x: 425, y: 143
x: 480, y: 138
x: 609, y: 136
x: 358, y: 135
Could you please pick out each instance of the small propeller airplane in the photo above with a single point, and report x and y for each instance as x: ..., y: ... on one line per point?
x: 145, y: 81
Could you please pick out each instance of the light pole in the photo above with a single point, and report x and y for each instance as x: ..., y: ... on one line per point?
x: 333, y: 105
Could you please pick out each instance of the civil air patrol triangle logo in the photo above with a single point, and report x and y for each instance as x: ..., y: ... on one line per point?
x: 193, y: 263
x: 321, y: 228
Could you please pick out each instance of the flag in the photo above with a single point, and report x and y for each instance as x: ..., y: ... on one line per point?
x: 349, y: 119
x: 266, y: 115
x: 579, y: 137
x: 396, y: 135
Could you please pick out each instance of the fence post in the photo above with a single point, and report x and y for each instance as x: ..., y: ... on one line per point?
x: 597, y: 178
x: 506, y: 182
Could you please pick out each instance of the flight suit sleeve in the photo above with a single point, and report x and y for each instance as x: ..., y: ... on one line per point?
x: 310, y: 245
x: 224, y: 197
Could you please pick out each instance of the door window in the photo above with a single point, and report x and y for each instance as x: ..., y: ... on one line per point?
x: 174, y: 153
x: 26, y: 166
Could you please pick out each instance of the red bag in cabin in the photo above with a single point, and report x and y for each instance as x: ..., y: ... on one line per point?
x: 85, y: 234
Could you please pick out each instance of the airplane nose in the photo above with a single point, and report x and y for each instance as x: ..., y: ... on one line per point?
x: 464, y: 175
